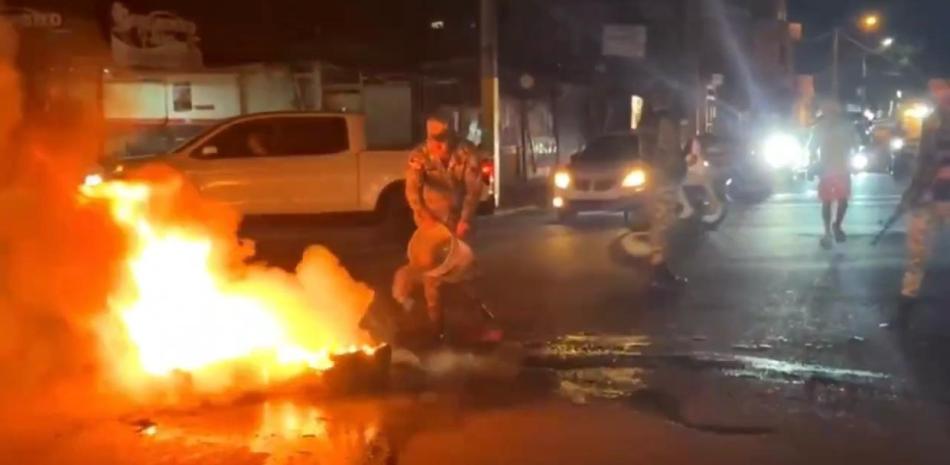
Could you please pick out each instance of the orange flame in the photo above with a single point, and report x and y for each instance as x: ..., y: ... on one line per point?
x: 186, y: 306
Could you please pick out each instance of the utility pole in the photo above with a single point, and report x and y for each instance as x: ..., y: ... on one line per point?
x: 488, y: 51
x: 835, y: 44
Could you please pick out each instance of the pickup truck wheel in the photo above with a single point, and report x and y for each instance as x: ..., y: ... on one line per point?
x: 397, y: 218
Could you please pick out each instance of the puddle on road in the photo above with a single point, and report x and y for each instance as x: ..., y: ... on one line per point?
x: 591, y: 351
x: 604, y: 383
x: 624, y: 367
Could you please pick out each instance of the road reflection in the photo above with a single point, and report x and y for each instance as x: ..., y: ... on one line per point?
x: 290, y: 432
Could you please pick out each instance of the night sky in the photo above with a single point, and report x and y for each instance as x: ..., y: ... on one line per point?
x: 320, y: 27
x: 923, y: 24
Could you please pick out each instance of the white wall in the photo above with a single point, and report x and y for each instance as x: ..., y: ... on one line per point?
x: 213, y: 96
x: 388, y: 109
x: 268, y: 89
x: 134, y: 100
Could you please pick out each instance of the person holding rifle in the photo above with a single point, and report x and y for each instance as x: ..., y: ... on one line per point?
x: 927, y: 199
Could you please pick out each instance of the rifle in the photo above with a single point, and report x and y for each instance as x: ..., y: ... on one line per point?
x: 898, y: 213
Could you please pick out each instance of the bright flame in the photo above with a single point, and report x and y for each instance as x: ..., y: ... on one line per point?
x: 184, y: 309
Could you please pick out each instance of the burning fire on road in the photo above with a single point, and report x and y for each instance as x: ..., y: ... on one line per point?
x: 187, y: 308
x: 138, y: 291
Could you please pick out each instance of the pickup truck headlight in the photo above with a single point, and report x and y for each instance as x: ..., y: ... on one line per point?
x: 562, y: 179
x: 635, y: 178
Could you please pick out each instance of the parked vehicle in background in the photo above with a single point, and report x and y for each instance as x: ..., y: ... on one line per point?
x: 607, y: 175
x: 873, y: 155
x: 293, y: 163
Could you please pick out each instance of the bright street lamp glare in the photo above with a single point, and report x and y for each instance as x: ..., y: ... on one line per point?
x: 887, y: 42
x: 870, y: 21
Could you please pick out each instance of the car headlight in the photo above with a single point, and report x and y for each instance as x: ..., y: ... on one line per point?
x: 562, y: 179
x: 783, y: 150
x: 859, y: 161
x: 897, y: 143
x: 635, y: 178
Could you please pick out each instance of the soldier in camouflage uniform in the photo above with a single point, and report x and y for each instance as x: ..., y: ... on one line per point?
x: 928, y: 197
x: 443, y: 188
x: 668, y: 164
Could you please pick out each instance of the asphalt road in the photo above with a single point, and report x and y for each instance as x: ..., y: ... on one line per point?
x: 776, y: 352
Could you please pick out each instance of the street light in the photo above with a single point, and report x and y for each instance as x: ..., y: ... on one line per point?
x: 870, y: 22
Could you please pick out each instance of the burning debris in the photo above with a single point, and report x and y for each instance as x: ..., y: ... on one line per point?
x: 188, y: 313
x: 138, y: 290
x: 145, y: 427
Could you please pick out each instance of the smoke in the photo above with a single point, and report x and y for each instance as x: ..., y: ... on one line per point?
x: 64, y: 265
x: 190, y: 308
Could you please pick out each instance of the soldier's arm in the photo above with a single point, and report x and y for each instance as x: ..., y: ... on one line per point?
x: 414, y: 185
x: 924, y: 168
x: 473, y: 183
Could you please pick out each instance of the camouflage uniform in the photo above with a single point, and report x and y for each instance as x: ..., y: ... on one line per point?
x: 929, y: 197
x: 925, y: 220
x: 449, y: 192
x: 446, y: 193
x: 669, y: 166
x: 663, y: 203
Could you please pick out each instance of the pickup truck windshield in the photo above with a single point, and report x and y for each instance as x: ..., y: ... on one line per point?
x: 145, y: 140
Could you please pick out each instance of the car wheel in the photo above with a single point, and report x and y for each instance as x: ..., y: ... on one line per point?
x: 713, y: 223
x: 397, y: 218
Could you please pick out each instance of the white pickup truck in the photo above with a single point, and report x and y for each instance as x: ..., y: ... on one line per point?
x: 296, y: 163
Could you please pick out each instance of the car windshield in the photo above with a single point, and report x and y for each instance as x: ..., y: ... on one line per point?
x: 611, y: 148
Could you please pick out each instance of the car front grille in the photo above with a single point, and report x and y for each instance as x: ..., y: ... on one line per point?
x: 604, y: 184
x: 595, y: 185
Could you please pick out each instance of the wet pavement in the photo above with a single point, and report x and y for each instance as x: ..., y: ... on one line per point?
x: 777, y: 352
